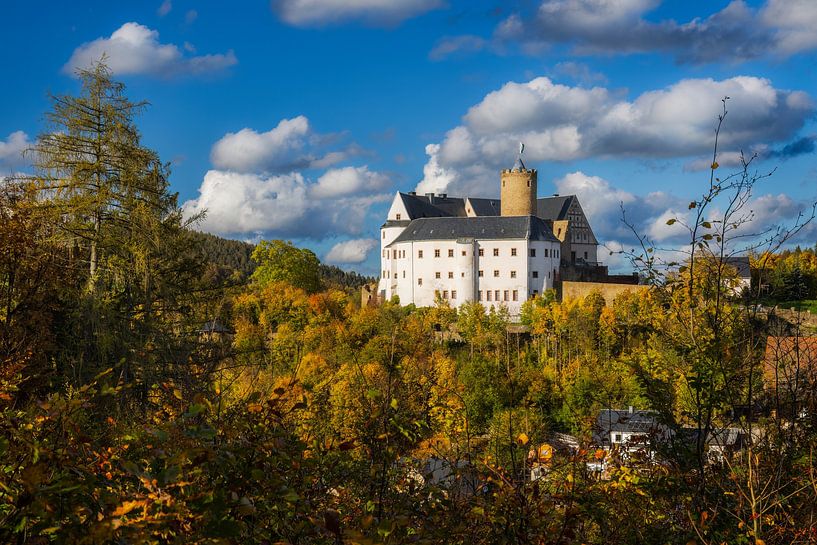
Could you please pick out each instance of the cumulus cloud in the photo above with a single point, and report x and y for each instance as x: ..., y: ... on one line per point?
x: 348, y: 181
x: 12, y: 148
x: 561, y: 123
x: 310, y: 13
x: 135, y: 49
x: 291, y: 145
x: 351, y: 251
x: 737, y: 32
x: 649, y: 214
x: 278, y: 205
x: 282, y: 183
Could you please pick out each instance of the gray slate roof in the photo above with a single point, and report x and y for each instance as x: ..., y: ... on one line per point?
x: 485, y: 207
x: 741, y: 263
x: 420, y: 206
x: 554, y: 208
x: 483, y: 228
x: 626, y: 421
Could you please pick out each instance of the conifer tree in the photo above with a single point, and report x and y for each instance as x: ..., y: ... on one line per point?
x: 124, y: 237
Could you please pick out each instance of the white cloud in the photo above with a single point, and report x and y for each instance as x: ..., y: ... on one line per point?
x: 737, y: 32
x: 348, y: 181
x: 278, y: 149
x: 306, y: 13
x: 135, y: 49
x: 560, y: 123
x: 351, y: 251
x: 11, y: 150
x: 291, y: 145
x: 276, y: 206
x: 259, y: 185
x: 794, y: 23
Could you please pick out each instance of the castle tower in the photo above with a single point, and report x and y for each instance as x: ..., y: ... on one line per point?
x: 518, y: 189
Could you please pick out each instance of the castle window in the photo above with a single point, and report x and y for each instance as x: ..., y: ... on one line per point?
x: 534, y: 274
x: 505, y: 295
x: 419, y: 281
x: 481, y: 252
x: 420, y: 254
x: 533, y: 252
x: 398, y: 216
x: 513, y: 251
x: 513, y: 274
x: 395, y: 276
x: 496, y: 252
x: 450, y: 274
x: 463, y: 253
x: 496, y: 295
x: 480, y: 274
x: 479, y: 295
x: 384, y: 234
x: 436, y: 253
x: 450, y: 253
x: 436, y: 275
x: 546, y: 252
x: 516, y: 295
x: 496, y: 273
x: 585, y: 256
x: 489, y: 294
x: 445, y: 294
x: 404, y: 274
x: 462, y: 275
x: 453, y: 294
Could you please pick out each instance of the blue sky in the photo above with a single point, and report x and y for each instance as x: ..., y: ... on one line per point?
x: 299, y: 119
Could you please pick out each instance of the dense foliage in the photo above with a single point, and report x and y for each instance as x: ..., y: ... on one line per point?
x: 158, y: 387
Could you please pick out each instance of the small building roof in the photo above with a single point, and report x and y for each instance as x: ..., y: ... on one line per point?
x: 484, y: 228
x: 741, y: 264
x: 625, y: 420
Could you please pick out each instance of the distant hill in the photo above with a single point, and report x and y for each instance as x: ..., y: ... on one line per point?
x: 233, y: 257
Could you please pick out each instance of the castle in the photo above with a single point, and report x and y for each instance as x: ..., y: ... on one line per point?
x: 498, y: 252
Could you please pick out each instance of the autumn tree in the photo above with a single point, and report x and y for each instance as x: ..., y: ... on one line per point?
x: 280, y: 261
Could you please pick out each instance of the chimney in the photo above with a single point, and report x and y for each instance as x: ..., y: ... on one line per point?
x: 430, y: 197
x: 443, y: 195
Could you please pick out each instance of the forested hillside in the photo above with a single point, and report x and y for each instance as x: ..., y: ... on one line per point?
x: 234, y: 257
x: 159, y: 385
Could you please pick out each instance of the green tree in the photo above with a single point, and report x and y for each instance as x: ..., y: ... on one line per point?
x: 132, y: 260
x: 280, y: 261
